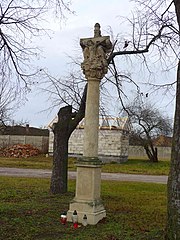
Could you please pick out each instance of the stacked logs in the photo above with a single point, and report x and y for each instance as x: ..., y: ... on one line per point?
x: 19, y: 150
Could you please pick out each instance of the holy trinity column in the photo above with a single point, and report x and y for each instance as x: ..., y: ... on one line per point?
x: 87, y: 200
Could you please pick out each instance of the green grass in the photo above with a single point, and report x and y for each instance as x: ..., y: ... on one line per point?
x: 135, y: 211
x: 136, y: 166
x: 36, y: 162
x: 139, y: 166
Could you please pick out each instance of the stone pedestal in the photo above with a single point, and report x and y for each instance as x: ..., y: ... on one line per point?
x: 87, y: 199
x: 88, y: 183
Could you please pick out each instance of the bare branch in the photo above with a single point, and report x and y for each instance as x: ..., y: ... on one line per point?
x: 139, y: 51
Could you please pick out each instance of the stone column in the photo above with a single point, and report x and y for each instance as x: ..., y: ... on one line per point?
x: 91, y: 119
x: 88, y: 183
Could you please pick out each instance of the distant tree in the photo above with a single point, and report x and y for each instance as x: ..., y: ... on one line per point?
x: 134, y: 139
x: 9, y: 102
x: 148, y: 123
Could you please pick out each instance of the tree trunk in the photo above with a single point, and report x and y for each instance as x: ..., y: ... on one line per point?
x: 173, y: 221
x: 60, y: 154
x: 67, y: 122
x: 173, y: 225
x: 152, y: 154
x: 177, y: 9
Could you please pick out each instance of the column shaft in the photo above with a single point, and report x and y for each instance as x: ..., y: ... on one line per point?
x: 91, y: 119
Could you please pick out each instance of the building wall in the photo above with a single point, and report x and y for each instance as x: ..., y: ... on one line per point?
x: 113, y: 144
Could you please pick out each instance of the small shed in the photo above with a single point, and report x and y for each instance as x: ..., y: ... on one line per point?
x: 113, y: 139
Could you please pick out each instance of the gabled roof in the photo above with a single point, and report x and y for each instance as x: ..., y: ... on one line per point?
x: 23, y: 130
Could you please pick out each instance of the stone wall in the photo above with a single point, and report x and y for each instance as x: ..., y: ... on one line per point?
x: 138, y: 151
x: 113, y: 144
x: 40, y: 142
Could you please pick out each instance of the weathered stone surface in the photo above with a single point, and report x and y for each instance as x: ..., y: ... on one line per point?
x: 95, y: 52
x: 87, y: 199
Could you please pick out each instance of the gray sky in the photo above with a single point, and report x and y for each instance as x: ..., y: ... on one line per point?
x: 65, y: 41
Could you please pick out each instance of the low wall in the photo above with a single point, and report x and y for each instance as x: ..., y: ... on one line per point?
x: 138, y: 151
x: 40, y: 142
x: 113, y: 145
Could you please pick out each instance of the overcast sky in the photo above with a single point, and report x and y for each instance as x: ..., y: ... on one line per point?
x: 65, y: 41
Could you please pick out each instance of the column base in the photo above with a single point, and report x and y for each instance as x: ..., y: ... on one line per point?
x: 94, y: 211
x: 87, y: 199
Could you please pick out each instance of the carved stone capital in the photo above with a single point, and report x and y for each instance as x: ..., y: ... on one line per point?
x: 94, y: 69
x: 95, y: 52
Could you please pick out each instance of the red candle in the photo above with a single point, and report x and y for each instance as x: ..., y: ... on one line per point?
x: 63, y: 218
x: 75, y: 225
x: 75, y: 219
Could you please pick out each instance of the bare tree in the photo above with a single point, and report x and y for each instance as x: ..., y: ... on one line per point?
x: 157, y: 27
x: 67, y: 94
x: 67, y: 122
x: 148, y: 123
x: 173, y: 224
x: 22, y: 21
x: 9, y: 102
x: 168, y: 13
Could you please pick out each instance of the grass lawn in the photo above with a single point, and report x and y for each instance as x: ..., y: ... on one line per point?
x: 136, y: 166
x: 135, y: 211
x: 36, y: 162
x: 139, y: 166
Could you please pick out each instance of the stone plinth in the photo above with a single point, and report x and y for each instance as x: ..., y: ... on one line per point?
x: 87, y: 199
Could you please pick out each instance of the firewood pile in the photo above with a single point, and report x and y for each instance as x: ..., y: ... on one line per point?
x: 19, y: 150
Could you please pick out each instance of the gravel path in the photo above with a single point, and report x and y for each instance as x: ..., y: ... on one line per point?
x: 19, y: 172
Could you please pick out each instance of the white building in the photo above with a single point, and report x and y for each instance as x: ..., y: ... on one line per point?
x: 113, y: 139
